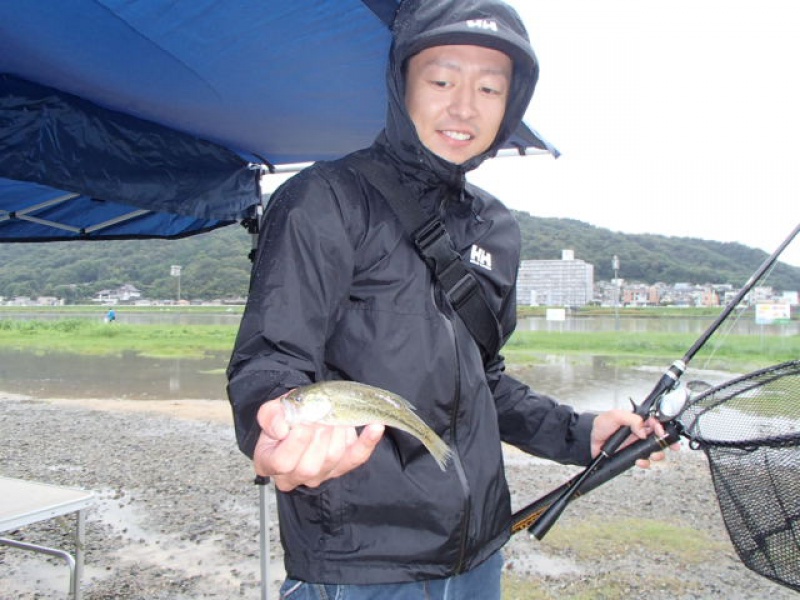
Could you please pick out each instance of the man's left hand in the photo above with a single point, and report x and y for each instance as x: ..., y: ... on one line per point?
x: 606, y: 424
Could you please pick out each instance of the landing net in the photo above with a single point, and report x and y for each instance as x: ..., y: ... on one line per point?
x: 749, y: 429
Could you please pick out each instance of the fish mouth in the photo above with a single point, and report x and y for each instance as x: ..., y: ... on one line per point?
x: 289, y: 410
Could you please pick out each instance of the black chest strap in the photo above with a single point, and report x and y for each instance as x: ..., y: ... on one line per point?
x: 436, y: 248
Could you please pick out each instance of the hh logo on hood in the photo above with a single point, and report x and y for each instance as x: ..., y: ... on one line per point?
x: 479, y: 256
x: 482, y: 24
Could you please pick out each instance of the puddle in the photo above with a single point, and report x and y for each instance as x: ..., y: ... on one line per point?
x: 147, y: 545
x: 130, y: 377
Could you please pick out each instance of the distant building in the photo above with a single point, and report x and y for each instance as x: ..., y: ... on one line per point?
x: 565, y: 282
x: 791, y: 298
x: 710, y: 297
x: 49, y: 301
x: 640, y: 294
x: 760, y: 294
x: 124, y: 293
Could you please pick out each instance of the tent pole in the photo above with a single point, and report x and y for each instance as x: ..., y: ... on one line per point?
x: 264, y: 541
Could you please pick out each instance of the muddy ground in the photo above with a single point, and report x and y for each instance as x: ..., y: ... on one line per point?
x: 177, y: 514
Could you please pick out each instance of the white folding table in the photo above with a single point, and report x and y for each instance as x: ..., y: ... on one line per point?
x: 26, y: 502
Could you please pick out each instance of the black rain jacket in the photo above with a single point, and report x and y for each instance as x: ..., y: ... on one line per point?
x: 339, y: 292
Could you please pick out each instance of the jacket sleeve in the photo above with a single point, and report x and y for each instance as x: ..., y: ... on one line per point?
x: 539, y: 425
x: 300, y: 277
x: 535, y: 422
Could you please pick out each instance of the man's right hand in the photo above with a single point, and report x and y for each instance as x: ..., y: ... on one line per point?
x: 308, y: 454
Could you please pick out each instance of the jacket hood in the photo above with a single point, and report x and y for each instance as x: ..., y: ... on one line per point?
x: 421, y: 24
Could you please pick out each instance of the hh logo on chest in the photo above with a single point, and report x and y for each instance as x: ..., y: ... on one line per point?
x: 479, y: 256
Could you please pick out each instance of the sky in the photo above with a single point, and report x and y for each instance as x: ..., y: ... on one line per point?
x: 678, y: 118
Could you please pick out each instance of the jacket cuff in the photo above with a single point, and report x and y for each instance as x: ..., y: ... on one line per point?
x: 583, y: 432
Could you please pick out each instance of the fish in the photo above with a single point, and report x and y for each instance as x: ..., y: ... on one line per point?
x: 356, y: 404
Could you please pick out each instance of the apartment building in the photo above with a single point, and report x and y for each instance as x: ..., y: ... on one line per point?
x: 565, y: 282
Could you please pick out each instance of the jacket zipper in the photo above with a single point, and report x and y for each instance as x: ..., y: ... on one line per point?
x: 462, y: 478
x: 450, y: 317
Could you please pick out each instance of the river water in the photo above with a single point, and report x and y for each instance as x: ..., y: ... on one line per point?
x: 586, y: 382
x: 582, y: 324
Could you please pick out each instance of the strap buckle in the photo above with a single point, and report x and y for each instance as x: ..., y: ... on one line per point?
x: 429, y: 235
x: 433, y: 242
x: 461, y: 292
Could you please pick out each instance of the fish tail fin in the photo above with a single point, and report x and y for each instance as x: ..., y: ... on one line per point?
x: 440, y: 451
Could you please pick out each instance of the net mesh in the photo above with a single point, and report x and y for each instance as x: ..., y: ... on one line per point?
x: 749, y: 428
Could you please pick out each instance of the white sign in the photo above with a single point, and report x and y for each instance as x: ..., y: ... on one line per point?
x: 175, y: 271
x: 772, y: 313
x: 556, y: 314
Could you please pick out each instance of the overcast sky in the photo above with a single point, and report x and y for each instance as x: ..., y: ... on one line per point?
x: 677, y: 118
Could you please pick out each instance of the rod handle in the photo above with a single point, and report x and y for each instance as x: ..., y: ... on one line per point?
x: 528, y: 516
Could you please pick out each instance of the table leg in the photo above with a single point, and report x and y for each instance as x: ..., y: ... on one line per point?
x: 80, y: 547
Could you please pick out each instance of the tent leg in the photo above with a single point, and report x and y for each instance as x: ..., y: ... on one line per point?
x: 263, y: 506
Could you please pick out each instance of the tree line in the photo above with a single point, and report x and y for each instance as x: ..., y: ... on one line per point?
x: 216, y: 265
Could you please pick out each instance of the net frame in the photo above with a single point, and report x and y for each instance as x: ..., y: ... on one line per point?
x: 753, y: 451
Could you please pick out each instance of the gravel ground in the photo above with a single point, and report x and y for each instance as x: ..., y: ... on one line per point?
x: 177, y: 514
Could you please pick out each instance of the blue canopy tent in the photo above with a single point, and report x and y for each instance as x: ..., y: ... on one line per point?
x: 143, y: 119
x: 126, y: 119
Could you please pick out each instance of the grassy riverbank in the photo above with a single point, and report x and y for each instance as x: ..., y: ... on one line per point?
x: 633, y: 348
x: 94, y: 337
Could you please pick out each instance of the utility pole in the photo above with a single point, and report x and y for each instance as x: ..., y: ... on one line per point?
x: 175, y: 271
x: 615, y: 266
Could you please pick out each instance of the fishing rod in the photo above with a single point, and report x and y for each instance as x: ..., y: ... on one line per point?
x: 620, y: 462
x: 540, y: 520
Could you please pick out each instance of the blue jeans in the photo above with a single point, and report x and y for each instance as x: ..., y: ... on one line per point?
x: 481, y: 583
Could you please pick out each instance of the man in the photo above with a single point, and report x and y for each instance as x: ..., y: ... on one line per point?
x: 338, y: 291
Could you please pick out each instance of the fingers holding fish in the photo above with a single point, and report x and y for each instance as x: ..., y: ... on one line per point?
x: 272, y: 420
x: 323, y: 453
x: 280, y: 448
x: 360, y: 450
x: 268, y: 460
x: 308, y: 453
x: 334, y: 451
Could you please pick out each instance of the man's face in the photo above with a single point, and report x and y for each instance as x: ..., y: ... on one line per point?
x: 456, y: 96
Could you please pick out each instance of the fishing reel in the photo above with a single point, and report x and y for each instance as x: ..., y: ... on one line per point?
x: 672, y: 403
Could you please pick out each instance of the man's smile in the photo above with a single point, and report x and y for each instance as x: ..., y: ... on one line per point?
x: 461, y: 136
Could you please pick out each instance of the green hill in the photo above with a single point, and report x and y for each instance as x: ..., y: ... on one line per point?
x: 216, y: 265
x: 650, y: 258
